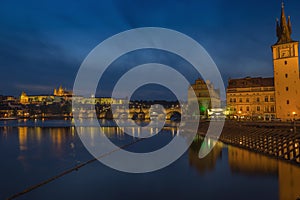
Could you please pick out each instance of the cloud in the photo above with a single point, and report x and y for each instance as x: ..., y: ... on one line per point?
x: 35, y: 88
x: 45, y: 42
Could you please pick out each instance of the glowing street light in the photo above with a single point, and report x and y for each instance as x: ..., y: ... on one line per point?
x: 239, y: 115
x: 294, y: 124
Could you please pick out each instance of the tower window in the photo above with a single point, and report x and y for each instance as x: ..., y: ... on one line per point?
x: 287, y: 88
x: 286, y: 75
x: 287, y: 102
x: 285, y: 62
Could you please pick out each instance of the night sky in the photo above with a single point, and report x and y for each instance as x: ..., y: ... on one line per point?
x: 42, y: 43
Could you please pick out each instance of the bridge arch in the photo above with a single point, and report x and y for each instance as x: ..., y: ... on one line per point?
x: 174, y: 115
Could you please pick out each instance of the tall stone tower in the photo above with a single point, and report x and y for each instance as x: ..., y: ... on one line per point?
x: 286, y: 71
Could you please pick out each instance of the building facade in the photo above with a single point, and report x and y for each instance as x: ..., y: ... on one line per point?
x: 35, y: 99
x: 251, y: 98
x: 62, y: 92
x: 207, y: 96
x: 58, y: 95
x: 270, y: 98
x: 286, y: 71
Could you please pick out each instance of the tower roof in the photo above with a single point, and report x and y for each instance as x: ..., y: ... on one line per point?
x: 283, y: 28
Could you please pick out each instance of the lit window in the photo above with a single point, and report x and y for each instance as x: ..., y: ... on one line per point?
x: 266, y: 108
x: 272, y: 108
x: 266, y: 98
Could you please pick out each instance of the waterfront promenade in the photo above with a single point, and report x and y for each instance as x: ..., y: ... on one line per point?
x: 274, y: 139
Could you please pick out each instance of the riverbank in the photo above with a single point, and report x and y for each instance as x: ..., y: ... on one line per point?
x: 274, y: 139
x: 277, y: 140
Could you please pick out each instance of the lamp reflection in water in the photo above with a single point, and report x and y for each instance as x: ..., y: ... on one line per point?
x: 250, y: 163
x: 289, y: 181
x: 22, y: 133
x: 245, y: 162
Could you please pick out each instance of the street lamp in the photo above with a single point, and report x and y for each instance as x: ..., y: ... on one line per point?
x: 239, y: 116
x: 294, y: 114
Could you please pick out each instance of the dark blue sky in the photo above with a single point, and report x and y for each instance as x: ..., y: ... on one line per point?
x: 42, y: 43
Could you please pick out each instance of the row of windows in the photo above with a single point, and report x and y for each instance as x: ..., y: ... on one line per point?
x: 233, y: 91
x: 258, y: 108
x: 267, y: 99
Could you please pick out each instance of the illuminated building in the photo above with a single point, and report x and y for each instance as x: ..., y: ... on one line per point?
x: 6, y: 111
x: 35, y: 99
x: 57, y: 96
x: 24, y: 98
x: 251, y: 98
x: 207, y: 96
x: 62, y: 92
x: 286, y: 71
x: 109, y: 101
x: 104, y: 101
x: 270, y: 98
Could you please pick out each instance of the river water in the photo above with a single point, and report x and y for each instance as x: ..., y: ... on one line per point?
x: 33, y: 151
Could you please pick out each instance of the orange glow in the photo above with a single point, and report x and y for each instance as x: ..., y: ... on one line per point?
x: 22, y: 138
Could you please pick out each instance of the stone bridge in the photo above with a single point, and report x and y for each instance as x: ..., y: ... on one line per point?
x: 141, y: 113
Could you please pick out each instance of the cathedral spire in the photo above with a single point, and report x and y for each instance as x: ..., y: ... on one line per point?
x: 284, y: 28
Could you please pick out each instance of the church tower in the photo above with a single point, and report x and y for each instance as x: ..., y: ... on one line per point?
x: 286, y: 71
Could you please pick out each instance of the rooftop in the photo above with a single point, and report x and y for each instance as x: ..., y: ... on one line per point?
x: 251, y: 82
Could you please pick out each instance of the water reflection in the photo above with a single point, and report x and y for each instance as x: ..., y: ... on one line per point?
x: 250, y: 163
x: 247, y: 162
x: 23, y: 138
x: 289, y: 181
x: 244, y: 162
x: 36, y: 142
x: 208, y: 163
x: 37, y: 150
x: 22, y: 133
